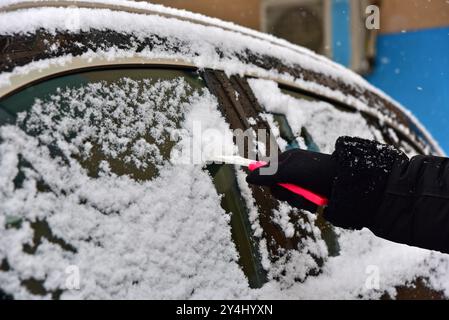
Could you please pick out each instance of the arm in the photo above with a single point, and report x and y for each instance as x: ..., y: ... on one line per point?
x: 375, y: 186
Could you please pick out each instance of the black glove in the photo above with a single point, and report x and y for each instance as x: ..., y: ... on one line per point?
x: 310, y: 170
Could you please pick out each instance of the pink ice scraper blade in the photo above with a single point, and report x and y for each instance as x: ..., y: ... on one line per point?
x: 309, y: 195
x: 254, y: 165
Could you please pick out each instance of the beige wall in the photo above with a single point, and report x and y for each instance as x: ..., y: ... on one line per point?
x: 242, y: 12
x: 398, y: 15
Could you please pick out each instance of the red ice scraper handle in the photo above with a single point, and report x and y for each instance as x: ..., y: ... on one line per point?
x: 309, y: 195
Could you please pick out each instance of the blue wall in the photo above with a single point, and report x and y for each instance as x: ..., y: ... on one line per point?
x: 341, y: 31
x: 413, y: 68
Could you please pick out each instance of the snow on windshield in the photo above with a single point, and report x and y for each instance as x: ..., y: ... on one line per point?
x: 166, y: 237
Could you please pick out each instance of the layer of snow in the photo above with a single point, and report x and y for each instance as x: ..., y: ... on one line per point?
x: 163, y: 238
x: 323, y: 121
x: 199, y: 43
x: 351, y: 275
x: 197, y: 18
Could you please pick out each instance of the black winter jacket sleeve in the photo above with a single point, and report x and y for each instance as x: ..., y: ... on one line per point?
x: 398, y: 199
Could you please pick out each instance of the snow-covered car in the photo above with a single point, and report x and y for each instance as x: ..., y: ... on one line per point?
x: 99, y: 104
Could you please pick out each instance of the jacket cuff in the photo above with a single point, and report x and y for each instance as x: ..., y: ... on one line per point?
x: 363, y: 168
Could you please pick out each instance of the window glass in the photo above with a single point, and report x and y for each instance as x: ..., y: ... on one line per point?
x: 324, y: 122
x: 317, y: 124
x: 357, y: 124
x: 94, y: 176
x: 285, y: 131
x: 119, y: 118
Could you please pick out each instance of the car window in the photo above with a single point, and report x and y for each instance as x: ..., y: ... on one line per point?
x: 324, y: 121
x: 309, y: 118
x: 129, y: 116
x: 100, y: 156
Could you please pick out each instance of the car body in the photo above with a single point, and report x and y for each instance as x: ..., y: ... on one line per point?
x: 98, y: 103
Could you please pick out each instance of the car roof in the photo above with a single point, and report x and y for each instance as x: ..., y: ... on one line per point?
x: 203, y: 42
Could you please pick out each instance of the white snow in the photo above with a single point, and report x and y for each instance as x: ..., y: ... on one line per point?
x: 281, y: 218
x: 253, y: 212
x: 163, y: 238
x: 322, y: 120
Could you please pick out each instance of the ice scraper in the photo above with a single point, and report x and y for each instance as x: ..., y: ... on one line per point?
x: 254, y: 165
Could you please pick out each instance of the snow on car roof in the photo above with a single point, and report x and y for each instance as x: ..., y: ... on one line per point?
x: 237, y: 50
